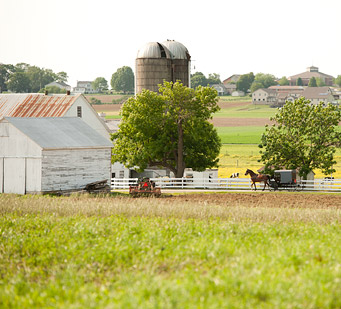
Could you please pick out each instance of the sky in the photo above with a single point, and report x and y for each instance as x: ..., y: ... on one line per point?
x: 89, y: 39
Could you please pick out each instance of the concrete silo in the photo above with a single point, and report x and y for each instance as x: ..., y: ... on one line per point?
x: 157, y: 62
x: 153, y: 66
x: 181, y: 62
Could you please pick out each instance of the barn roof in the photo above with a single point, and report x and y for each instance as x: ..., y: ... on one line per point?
x: 35, y: 105
x: 54, y: 133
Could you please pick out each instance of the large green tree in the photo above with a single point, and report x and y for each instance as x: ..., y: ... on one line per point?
x: 312, y: 82
x: 213, y: 78
x: 198, y: 79
x: 5, y: 72
x: 170, y: 129
x: 123, y: 80
x: 299, y: 82
x: 303, y: 136
x: 263, y: 81
x: 19, y: 82
x: 100, y: 84
x: 244, y: 82
x: 283, y: 81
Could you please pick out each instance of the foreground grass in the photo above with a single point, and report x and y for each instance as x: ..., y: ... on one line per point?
x: 153, y: 253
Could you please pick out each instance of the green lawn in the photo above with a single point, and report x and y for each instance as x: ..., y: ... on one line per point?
x: 247, y: 111
x: 240, y: 135
x: 79, y: 252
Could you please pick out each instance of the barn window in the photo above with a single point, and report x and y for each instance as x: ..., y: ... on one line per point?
x: 79, y: 111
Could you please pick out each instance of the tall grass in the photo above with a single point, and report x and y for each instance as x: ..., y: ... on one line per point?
x: 156, y: 253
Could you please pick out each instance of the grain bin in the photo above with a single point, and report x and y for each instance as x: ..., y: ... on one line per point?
x: 181, y: 61
x: 153, y: 66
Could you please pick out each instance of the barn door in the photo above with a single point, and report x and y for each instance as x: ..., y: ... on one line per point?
x: 14, y: 175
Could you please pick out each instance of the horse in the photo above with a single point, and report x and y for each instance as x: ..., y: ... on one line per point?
x: 235, y: 175
x: 258, y: 178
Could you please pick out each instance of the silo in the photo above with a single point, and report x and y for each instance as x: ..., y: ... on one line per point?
x: 153, y: 66
x: 181, y: 62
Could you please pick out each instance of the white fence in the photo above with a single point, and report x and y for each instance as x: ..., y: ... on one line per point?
x: 327, y: 185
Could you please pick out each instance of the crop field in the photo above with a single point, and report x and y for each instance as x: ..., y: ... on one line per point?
x: 238, y: 250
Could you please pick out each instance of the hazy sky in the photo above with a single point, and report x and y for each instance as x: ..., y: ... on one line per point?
x: 88, y: 39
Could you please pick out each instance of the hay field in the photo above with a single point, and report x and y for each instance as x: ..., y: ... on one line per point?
x: 186, y: 251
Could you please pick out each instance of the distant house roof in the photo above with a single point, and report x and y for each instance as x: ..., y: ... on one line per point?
x: 267, y: 90
x: 54, y: 133
x: 35, y: 105
x: 316, y: 93
x: 61, y: 84
x: 311, y: 72
x: 287, y: 88
x: 232, y: 78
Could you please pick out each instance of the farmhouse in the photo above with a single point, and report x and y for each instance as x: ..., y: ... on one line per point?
x: 57, y: 105
x: 39, y: 155
x: 318, y: 94
x: 264, y: 96
x: 84, y: 87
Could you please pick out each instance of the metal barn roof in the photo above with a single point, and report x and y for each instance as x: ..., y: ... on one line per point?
x: 35, y: 105
x: 59, y: 132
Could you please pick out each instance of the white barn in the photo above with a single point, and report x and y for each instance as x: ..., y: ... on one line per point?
x: 39, y: 155
x: 56, y: 105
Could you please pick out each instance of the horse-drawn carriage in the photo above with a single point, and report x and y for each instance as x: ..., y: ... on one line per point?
x: 144, y: 187
x: 285, y: 179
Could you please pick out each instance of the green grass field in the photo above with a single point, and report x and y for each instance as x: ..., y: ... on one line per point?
x: 247, y: 111
x: 240, y: 135
x: 88, y: 252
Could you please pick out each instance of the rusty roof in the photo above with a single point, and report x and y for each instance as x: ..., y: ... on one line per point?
x: 35, y: 105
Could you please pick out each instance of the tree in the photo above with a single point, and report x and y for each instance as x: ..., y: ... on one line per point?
x: 338, y: 80
x: 5, y: 72
x: 312, y: 82
x: 62, y: 77
x: 170, y: 129
x: 266, y: 80
x: 19, y: 82
x: 244, y: 82
x: 123, y: 80
x: 198, y: 79
x: 256, y: 85
x: 100, y: 84
x: 304, y: 136
x: 213, y: 78
x: 284, y: 81
x: 320, y: 82
x: 299, y: 82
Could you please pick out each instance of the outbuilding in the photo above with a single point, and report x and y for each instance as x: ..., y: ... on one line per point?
x: 40, y: 155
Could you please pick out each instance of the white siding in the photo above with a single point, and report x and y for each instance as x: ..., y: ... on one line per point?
x: 16, y: 144
x: 1, y: 175
x: 89, y: 116
x: 14, y: 175
x: 33, y: 175
x: 70, y: 169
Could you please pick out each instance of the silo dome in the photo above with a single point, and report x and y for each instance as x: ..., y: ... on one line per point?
x: 153, y: 66
x: 178, y: 50
x: 153, y: 50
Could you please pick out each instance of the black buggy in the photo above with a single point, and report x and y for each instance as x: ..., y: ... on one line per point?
x: 285, y: 180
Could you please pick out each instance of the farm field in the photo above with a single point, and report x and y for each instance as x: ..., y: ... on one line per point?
x: 186, y: 251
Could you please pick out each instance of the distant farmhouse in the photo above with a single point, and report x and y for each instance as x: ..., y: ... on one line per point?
x: 278, y: 95
x: 57, y: 105
x: 84, y: 87
x: 311, y: 72
x: 60, y: 85
x: 221, y: 89
x: 42, y: 155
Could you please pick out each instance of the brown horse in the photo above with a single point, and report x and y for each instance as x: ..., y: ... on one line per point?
x: 257, y: 178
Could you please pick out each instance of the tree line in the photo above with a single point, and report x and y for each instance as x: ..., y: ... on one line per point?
x: 24, y: 77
